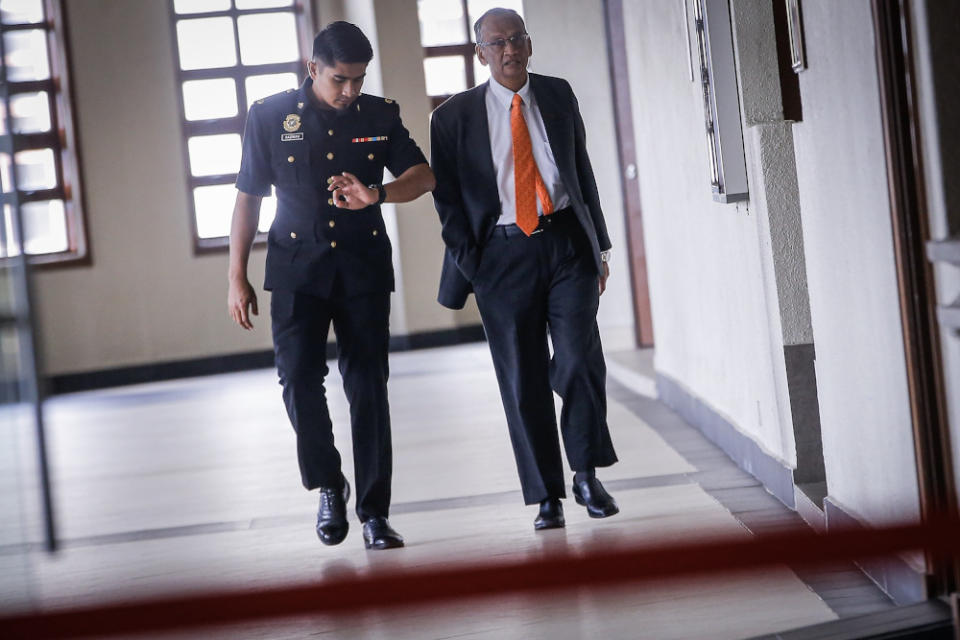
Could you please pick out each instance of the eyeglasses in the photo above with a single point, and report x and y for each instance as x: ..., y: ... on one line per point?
x: 516, y: 40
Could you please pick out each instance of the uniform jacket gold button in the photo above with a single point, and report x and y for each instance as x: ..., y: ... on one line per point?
x: 330, y: 156
x: 330, y: 201
x: 370, y: 157
x: 330, y: 180
x: 374, y: 232
x: 329, y: 132
x: 293, y: 234
x: 333, y: 245
x: 332, y: 223
x: 289, y: 158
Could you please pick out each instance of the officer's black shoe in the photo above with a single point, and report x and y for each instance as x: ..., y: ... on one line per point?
x: 378, y: 534
x: 591, y: 494
x: 332, y: 522
x: 550, y: 516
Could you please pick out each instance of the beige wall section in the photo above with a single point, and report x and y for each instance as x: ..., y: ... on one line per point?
x: 147, y: 298
x: 397, y: 72
x: 569, y: 40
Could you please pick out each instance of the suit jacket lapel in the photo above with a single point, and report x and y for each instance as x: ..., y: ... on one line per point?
x: 556, y: 122
x: 478, y: 144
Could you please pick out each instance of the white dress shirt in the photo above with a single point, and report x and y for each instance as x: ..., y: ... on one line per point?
x: 499, y: 99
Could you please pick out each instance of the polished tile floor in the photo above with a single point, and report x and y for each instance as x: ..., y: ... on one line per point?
x: 192, y: 484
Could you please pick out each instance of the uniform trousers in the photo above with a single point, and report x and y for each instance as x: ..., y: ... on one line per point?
x: 525, y: 286
x: 301, y: 323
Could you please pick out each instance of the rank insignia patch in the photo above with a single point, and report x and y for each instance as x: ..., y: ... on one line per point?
x: 291, y: 123
x: 373, y: 139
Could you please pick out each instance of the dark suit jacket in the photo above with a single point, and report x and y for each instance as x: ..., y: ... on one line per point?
x: 466, y: 196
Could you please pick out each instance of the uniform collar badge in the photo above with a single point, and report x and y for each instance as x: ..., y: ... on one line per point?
x: 291, y: 123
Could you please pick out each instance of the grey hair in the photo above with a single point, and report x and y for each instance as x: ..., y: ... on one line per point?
x: 496, y: 11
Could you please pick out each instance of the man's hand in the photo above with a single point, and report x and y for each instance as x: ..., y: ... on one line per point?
x: 240, y: 301
x: 350, y: 193
x: 243, y: 229
x: 603, y: 278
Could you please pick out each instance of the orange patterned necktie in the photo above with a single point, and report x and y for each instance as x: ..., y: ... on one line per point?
x: 527, y: 183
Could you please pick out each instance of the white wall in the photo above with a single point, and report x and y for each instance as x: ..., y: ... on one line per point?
x: 569, y: 40
x: 717, y: 332
x: 720, y: 322
x: 861, y: 376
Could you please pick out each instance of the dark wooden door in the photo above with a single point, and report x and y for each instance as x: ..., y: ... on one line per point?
x: 626, y: 147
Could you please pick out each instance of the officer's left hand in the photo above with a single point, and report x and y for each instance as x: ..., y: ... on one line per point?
x: 350, y: 193
x: 603, y: 278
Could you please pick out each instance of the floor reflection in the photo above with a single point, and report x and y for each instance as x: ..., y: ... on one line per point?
x: 194, y: 486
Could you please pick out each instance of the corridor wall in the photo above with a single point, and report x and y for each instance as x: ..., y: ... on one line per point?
x: 716, y: 332
x: 716, y: 270
x: 861, y: 371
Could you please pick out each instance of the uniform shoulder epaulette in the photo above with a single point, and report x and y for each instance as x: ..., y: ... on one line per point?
x: 376, y: 104
x: 278, y: 99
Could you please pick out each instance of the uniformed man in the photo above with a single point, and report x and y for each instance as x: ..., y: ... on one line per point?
x: 324, y: 147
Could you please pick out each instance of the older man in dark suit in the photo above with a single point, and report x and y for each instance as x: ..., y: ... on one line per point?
x: 524, y: 231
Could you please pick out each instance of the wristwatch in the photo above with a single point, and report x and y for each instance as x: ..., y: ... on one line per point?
x: 382, y: 193
x: 605, y: 255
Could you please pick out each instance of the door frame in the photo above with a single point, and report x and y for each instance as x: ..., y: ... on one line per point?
x: 909, y: 219
x: 629, y: 185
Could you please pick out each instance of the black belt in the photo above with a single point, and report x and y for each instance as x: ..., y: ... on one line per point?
x: 546, y: 223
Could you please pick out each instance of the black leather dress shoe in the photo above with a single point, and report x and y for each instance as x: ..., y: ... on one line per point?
x: 550, y: 516
x: 378, y: 534
x: 591, y: 494
x: 332, y: 522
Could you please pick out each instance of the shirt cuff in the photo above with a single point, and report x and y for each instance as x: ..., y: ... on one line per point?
x: 605, y: 255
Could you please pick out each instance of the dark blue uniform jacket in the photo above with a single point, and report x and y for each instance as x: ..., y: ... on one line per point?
x: 293, y: 144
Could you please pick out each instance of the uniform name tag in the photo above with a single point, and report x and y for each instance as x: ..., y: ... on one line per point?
x: 287, y: 137
x: 373, y: 139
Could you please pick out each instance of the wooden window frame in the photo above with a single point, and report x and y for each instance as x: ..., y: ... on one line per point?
x: 61, y: 139
x: 467, y: 50
x: 237, y: 72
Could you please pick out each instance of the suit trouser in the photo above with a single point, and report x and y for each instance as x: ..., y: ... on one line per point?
x: 525, y: 285
x: 301, y: 323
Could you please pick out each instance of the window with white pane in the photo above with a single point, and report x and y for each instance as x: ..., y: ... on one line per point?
x: 446, y: 33
x: 37, y: 141
x: 229, y: 54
